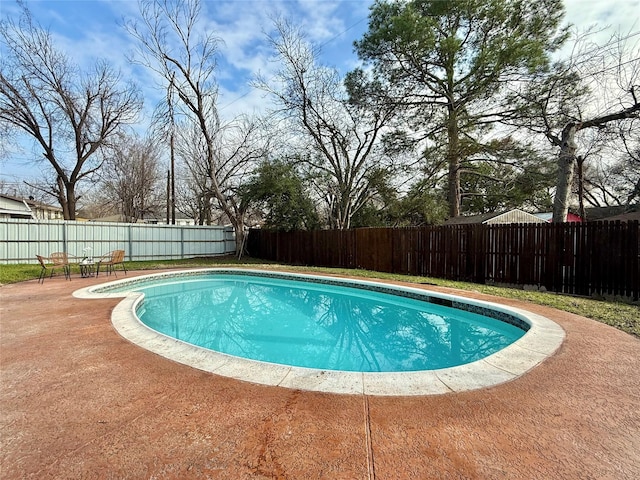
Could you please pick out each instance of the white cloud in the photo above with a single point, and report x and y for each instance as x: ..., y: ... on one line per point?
x: 244, y: 25
x: 618, y: 14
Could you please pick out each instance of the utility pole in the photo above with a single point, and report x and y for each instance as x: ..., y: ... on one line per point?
x: 171, y: 181
x: 168, y: 196
x: 173, y: 177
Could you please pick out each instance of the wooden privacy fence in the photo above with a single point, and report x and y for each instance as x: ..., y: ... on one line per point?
x: 600, y: 258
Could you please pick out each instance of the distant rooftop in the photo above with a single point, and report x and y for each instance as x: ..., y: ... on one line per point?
x: 510, y: 216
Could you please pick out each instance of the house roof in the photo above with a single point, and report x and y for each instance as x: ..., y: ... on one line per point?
x: 14, y: 207
x: 117, y: 218
x: 594, y: 214
x: 31, y: 203
x: 548, y: 216
x: 624, y: 217
x: 511, y: 216
x: 470, y: 219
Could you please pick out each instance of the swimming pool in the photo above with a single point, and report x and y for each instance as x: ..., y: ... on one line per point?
x: 372, y: 337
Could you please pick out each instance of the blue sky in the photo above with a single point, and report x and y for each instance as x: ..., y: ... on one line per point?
x: 90, y: 29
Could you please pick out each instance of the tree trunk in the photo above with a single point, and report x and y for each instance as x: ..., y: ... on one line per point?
x: 580, y: 165
x: 343, y: 220
x: 566, y: 168
x: 238, y: 228
x: 172, y: 171
x: 62, y: 197
x: 453, y: 160
x: 71, y: 201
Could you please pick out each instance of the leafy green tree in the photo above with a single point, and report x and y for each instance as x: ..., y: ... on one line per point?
x: 423, y: 204
x: 447, y: 62
x: 381, y: 209
x: 279, y: 192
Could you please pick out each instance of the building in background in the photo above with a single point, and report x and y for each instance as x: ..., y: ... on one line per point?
x: 15, y: 207
x: 496, y: 218
x: 548, y: 217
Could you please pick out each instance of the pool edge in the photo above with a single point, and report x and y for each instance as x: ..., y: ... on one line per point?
x: 541, y: 341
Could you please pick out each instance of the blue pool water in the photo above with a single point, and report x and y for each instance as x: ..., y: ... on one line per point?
x: 321, y: 326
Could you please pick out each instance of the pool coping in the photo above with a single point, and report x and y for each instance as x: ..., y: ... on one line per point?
x: 541, y: 341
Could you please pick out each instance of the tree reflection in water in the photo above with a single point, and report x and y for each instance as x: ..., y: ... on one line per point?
x: 320, y: 326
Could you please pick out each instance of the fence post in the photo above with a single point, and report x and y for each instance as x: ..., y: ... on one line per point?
x: 182, y: 227
x: 634, y: 260
x: 65, y: 243
x: 130, y: 242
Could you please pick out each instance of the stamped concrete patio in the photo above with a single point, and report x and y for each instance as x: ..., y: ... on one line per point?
x: 79, y: 401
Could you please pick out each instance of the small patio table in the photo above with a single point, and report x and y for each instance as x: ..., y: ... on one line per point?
x: 87, y: 268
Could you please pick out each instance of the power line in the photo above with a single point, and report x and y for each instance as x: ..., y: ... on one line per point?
x: 344, y: 31
x: 237, y: 99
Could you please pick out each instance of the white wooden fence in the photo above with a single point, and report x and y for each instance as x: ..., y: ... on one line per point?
x: 21, y: 240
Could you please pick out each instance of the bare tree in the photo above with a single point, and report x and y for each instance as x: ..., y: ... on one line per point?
x: 617, y: 182
x: 598, y: 86
x: 131, y: 179
x: 68, y: 113
x: 195, y: 196
x: 627, y: 170
x: 239, y: 146
x: 163, y: 129
x: 567, y: 157
x: 172, y: 44
x: 341, y: 132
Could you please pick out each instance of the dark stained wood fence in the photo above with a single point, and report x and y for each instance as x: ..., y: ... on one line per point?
x: 600, y: 258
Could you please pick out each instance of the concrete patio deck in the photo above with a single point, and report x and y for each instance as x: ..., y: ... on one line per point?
x: 79, y: 401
